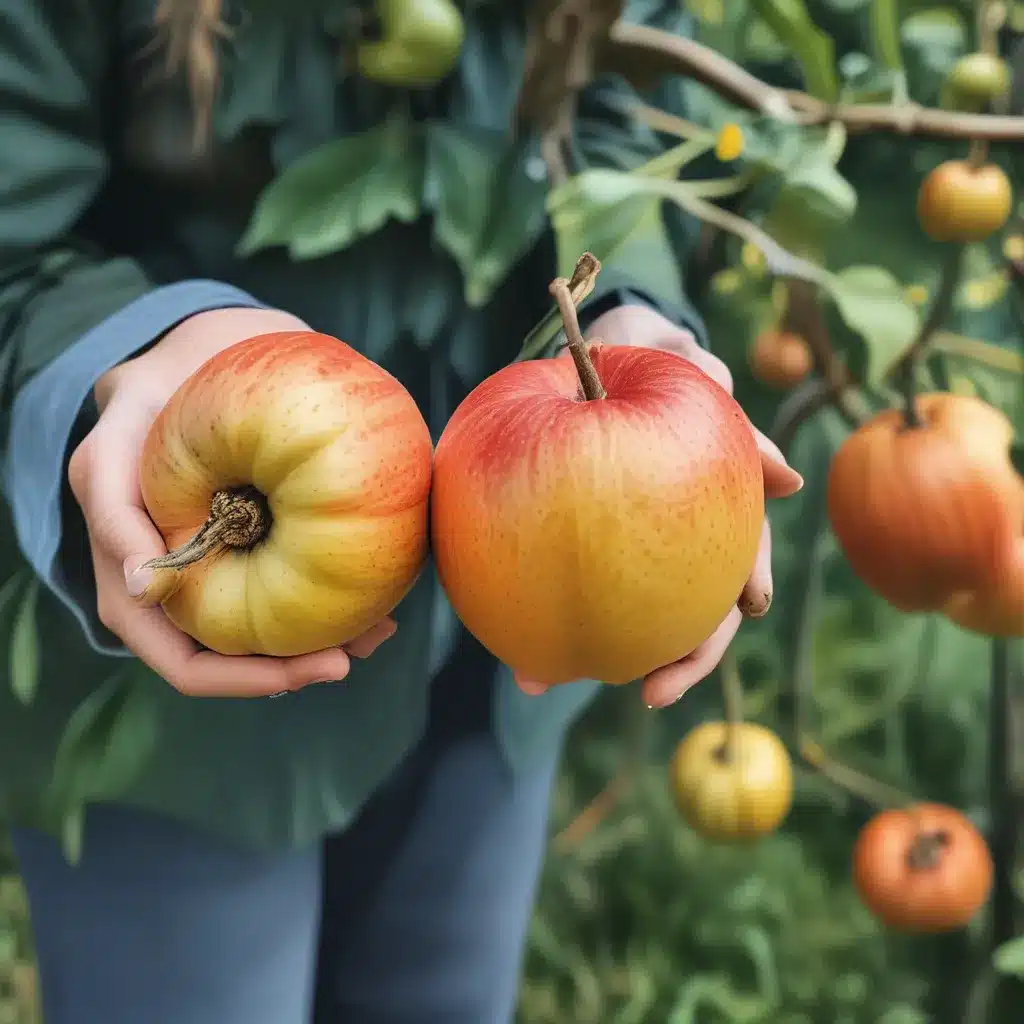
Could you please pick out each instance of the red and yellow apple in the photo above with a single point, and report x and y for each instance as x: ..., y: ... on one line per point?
x: 931, y: 516
x: 291, y: 476
x: 596, y: 525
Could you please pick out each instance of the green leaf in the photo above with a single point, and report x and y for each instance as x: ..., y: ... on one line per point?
x: 816, y: 185
x: 617, y: 217
x: 885, y: 33
x: 24, y: 651
x: 813, y: 48
x: 9, y: 590
x: 488, y: 203
x: 340, y: 192
x: 72, y: 834
x: 1009, y: 957
x: 107, y: 741
x: 872, y: 304
x: 936, y: 38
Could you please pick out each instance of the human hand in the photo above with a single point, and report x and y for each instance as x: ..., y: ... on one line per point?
x: 103, y: 473
x: 641, y: 326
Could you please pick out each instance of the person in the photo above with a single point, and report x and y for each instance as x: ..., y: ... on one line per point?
x: 366, y: 849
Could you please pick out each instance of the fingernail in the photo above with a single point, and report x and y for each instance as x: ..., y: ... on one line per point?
x: 757, y: 609
x: 280, y: 693
x: 137, y: 581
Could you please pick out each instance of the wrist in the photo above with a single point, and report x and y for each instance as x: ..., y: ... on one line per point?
x: 184, y: 348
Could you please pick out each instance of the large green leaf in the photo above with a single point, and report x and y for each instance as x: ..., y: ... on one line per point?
x: 106, y: 742
x: 616, y: 217
x: 872, y: 304
x: 24, y: 651
x: 813, y: 48
x: 341, y: 191
x: 938, y: 36
x: 488, y: 203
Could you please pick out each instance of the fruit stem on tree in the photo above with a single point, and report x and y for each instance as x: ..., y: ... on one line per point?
x: 566, y: 294
x: 871, y: 791
x: 926, y: 850
x: 732, y: 699
x: 239, y: 518
x: 942, y: 306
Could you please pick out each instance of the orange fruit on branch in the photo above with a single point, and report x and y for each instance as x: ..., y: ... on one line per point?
x: 931, y: 517
x: 738, y: 789
x: 923, y: 869
x: 290, y: 476
x: 780, y: 359
x: 961, y: 203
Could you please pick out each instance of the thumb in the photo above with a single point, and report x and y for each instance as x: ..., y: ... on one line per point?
x: 149, y: 585
x: 780, y: 479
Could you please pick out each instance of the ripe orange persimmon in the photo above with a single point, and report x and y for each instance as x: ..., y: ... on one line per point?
x: 931, y: 517
x: 780, y: 359
x: 923, y: 869
x: 961, y: 203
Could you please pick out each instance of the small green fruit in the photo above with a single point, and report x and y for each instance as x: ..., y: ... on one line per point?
x: 421, y: 43
x: 976, y: 80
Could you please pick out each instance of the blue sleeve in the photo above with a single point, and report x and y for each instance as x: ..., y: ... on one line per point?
x: 44, y: 415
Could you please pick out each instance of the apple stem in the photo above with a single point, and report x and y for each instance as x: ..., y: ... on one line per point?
x: 239, y: 518
x: 732, y: 699
x: 590, y: 382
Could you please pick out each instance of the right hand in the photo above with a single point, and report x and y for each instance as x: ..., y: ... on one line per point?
x: 103, y: 473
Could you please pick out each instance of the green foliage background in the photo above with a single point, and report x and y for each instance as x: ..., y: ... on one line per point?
x: 642, y: 922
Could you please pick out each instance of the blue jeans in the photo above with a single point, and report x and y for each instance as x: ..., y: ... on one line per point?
x: 415, y: 915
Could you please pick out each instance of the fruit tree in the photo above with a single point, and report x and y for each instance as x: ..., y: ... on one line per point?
x: 853, y: 174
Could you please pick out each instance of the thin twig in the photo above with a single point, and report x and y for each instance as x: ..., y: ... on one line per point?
x: 732, y: 700
x: 803, y: 403
x: 805, y: 317
x: 905, y: 369
x: 632, y: 48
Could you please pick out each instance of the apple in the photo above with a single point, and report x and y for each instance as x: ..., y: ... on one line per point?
x: 596, y: 515
x: 290, y: 479
x: 931, y: 517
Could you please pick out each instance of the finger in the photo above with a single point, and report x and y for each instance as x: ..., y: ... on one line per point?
x: 365, y: 644
x: 530, y: 686
x: 178, y: 659
x: 117, y: 520
x: 712, y: 366
x: 756, y: 597
x: 780, y: 479
x: 666, y: 685
x: 148, y: 586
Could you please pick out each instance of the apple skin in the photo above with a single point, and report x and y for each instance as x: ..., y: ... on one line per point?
x: 932, y: 517
x: 596, y: 539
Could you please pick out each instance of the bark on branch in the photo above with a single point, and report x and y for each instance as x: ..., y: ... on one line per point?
x: 642, y: 54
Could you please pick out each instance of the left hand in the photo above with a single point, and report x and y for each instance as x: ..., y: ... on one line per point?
x: 641, y: 326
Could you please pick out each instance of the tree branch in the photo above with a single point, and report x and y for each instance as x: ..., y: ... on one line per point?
x: 641, y: 53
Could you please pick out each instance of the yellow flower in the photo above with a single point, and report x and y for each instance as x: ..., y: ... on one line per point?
x: 752, y: 257
x: 916, y: 294
x: 730, y: 142
x: 726, y: 282
x: 1013, y: 247
x: 984, y: 291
